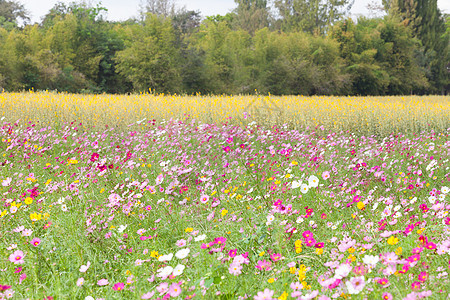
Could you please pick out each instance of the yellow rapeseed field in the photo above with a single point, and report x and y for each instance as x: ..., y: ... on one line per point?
x: 363, y: 115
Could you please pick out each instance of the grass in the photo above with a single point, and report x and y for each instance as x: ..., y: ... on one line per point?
x: 108, y: 212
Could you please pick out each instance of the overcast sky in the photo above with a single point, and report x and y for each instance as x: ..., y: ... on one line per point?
x: 124, y: 9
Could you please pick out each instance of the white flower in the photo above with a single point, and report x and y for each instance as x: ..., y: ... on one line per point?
x: 304, y: 188
x: 200, y: 238
x: 371, y: 260
x: 300, y: 220
x: 445, y: 190
x: 89, y: 298
x: 122, y: 228
x: 313, y: 181
x: 61, y: 200
x: 296, y: 184
x: 355, y: 285
x: 64, y: 207
x: 182, y: 253
x: 342, y: 271
x: 164, y: 272
x: 167, y: 257
x: 270, y: 219
x: 178, y: 270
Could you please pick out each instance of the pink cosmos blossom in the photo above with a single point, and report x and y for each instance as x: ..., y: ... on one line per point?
x: 17, y: 257
x: 265, y: 295
x: 264, y: 265
x: 148, y: 295
x: 387, y: 296
x: 174, y: 290
x: 80, y: 281
x: 118, y: 286
x: 235, y: 269
x: 84, y: 268
x: 103, y: 282
x: 35, y: 242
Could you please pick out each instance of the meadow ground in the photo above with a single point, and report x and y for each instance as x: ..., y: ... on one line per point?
x: 147, y: 197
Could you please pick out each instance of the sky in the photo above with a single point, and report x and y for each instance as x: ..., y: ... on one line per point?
x: 123, y: 9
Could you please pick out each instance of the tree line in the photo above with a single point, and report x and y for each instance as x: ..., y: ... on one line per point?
x: 300, y: 47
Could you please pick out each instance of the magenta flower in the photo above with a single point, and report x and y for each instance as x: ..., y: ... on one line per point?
x: 430, y: 245
x: 232, y: 253
x: 275, y: 256
x: 174, y: 290
x: 386, y: 296
x: 423, y: 276
x: 35, y: 242
x: 307, y: 234
x: 227, y: 149
x: 415, y: 285
x: 17, y: 257
x: 119, y: 286
x: 220, y: 240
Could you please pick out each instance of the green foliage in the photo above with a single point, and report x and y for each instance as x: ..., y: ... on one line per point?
x: 306, y: 48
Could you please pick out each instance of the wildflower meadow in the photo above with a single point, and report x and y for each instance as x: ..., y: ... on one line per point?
x: 211, y: 202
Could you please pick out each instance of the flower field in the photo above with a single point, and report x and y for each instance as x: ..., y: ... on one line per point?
x: 157, y: 201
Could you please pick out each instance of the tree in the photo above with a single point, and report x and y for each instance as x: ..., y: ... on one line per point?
x: 165, y: 8
x: 313, y: 16
x: 12, y: 12
x: 425, y: 20
x: 252, y: 15
x: 150, y: 59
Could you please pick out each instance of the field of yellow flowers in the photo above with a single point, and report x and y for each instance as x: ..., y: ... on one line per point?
x: 165, y: 197
x: 363, y: 115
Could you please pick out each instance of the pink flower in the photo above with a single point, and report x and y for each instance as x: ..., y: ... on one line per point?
x: 35, y: 242
x: 80, y: 281
x: 119, y: 286
x: 266, y: 295
x: 148, y: 295
x: 275, y: 256
x: 307, y: 234
x: 386, y: 296
x: 264, y: 265
x: 232, y: 253
x: 235, y: 269
x: 355, y: 285
x: 84, y: 268
x: 162, y: 288
x: 22, y: 278
x: 102, y: 282
x: 423, y: 276
x: 415, y: 285
x: 174, y: 290
x: 181, y: 243
x: 17, y: 257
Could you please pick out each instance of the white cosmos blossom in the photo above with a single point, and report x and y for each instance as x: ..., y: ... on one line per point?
x: 313, y: 181
x: 445, y: 190
x: 165, y: 272
x: 342, y: 271
x: 122, y: 228
x: 182, y: 253
x: 167, y: 257
x: 304, y: 188
x: 200, y: 238
x: 296, y: 184
x: 178, y: 270
x: 371, y: 260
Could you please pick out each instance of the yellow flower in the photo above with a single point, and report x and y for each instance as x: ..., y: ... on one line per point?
x: 154, y: 254
x: 298, y: 250
x: 48, y: 182
x: 4, y: 213
x: 283, y: 296
x: 360, y: 205
x: 399, y: 251
x: 292, y: 270
x: 298, y: 243
x: 271, y: 280
x: 392, y: 240
x: 189, y: 229
x: 351, y: 250
x: 35, y: 217
x: 420, y: 230
x: 262, y: 253
x: 319, y: 251
x: 28, y: 200
x: 224, y: 212
x: 294, y: 163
